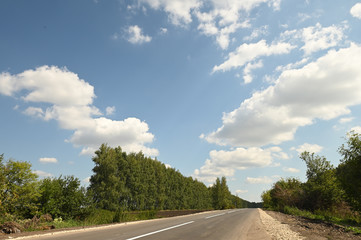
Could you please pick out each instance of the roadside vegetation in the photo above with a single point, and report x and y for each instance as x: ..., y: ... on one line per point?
x: 123, y: 187
x: 331, y: 194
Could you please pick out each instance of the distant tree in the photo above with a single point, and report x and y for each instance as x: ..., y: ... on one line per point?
x: 220, y: 194
x: 18, y: 188
x: 267, y: 199
x: 349, y: 170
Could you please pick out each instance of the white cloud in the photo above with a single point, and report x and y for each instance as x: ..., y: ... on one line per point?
x: 86, y: 180
x: 35, y: 112
x: 246, y: 53
x: 239, y: 191
x: 179, y: 11
x: 316, y: 38
x: 42, y: 173
x: 48, y: 160
x: 324, y: 89
x: 290, y: 66
x: 70, y: 100
x: 290, y: 170
x: 345, y: 120
x: 356, y: 129
x: 259, y: 180
x: 131, y: 134
x: 48, y: 85
x: 110, y: 110
x: 356, y: 10
x: 163, y: 30
x: 247, y: 72
x: 225, y: 163
x: 217, y: 18
x: 135, y: 35
x: 262, y: 31
x: 312, y: 148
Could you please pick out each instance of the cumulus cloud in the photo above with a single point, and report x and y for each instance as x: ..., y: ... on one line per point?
x: 217, y: 18
x: 179, y: 11
x: 247, y: 72
x: 356, y: 129
x: 225, y: 163
x: 345, y: 120
x: 306, y: 147
x: 240, y: 191
x: 262, y: 31
x: 69, y: 102
x: 323, y: 89
x: 316, y: 38
x: 42, y: 173
x: 356, y: 10
x: 290, y: 170
x: 136, y: 36
x: 246, y: 53
x: 163, y: 30
x: 259, y: 180
x: 48, y: 160
x: 110, y: 110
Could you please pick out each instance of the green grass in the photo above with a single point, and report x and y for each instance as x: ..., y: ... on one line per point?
x: 351, y: 223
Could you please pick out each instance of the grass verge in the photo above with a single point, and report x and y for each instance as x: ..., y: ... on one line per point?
x: 350, y: 223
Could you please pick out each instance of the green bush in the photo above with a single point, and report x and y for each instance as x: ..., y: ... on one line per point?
x: 100, y: 216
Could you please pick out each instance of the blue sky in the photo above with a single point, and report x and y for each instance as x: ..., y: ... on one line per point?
x: 212, y: 88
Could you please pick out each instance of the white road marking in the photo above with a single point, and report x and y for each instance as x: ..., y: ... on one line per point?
x: 215, y: 215
x: 162, y: 230
x: 233, y: 211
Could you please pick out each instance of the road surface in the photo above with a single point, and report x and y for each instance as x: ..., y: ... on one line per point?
x: 226, y: 224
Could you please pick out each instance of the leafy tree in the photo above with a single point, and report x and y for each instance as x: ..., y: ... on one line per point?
x: 18, y: 188
x: 133, y: 181
x: 322, y: 188
x: 349, y: 170
x: 104, y: 184
x: 285, y: 192
x: 267, y: 199
x: 221, y: 194
x: 63, y: 197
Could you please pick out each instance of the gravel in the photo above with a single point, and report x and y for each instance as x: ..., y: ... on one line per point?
x: 276, y: 229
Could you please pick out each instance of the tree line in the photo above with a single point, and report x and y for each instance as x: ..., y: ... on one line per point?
x: 120, y: 182
x: 133, y: 181
x: 328, y: 188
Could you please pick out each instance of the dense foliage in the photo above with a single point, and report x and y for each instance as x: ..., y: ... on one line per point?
x: 132, y: 181
x: 349, y: 171
x: 18, y: 188
x: 335, y: 190
x: 121, y: 183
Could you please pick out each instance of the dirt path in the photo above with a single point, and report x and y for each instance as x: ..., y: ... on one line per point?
x: 312, y: 229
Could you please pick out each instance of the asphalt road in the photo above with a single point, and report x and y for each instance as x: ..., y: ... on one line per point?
x: 226, y: 224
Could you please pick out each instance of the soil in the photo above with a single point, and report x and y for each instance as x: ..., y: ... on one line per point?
x: 314, y: 229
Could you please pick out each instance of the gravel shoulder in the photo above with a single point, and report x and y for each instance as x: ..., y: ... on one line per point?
x: 304, y: 228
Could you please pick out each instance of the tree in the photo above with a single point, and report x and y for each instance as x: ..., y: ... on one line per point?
x: 104, y: 183
x: 349, y: 170
x: 220, y: 194
x: 322, y: 188
x: 285, y: 192
x: 63, y: 197
x: 18, y: 189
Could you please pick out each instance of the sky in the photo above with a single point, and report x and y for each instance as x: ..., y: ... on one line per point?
x: 212, y: 88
